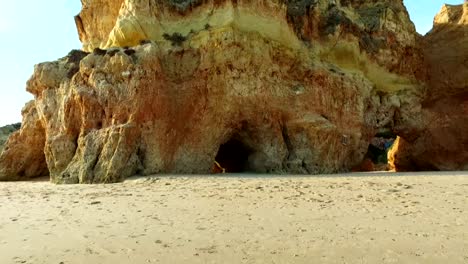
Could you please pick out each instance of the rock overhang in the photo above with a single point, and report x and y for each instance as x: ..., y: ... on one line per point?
x: 303, y: 84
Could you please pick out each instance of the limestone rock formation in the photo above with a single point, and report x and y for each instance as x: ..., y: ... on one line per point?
x: 166, y: 86
x: 6, y: 131
x: 23, y: 155
x: 443, y: 144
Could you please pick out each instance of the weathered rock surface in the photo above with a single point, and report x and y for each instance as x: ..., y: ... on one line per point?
x: 261, y: 86
x: 23, y: 155
x: 6, y: 131
x: 443, y: 144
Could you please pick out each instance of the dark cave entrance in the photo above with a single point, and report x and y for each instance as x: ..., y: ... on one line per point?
x: 233, y: 156
x: 378, y: 149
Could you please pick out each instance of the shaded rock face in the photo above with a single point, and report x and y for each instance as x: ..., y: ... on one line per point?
x: 443, y: 144
x: 260, y: 86
x: 23, y: 155
x: 6, y: 131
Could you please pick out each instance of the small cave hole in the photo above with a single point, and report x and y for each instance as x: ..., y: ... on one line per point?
x: 233, y: 156
x: 378, y: 150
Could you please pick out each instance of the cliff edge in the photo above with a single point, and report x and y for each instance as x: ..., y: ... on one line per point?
x: 5, y: 132
x: 443, y: 144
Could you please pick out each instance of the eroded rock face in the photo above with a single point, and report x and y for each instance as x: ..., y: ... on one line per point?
x: 443, y: 144
x: 261, y: 86
x: 23, y: 155
x: 6, y: 131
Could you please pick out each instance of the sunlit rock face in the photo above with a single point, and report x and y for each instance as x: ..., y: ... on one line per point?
x: 443, y: 144
x: 258, y: 86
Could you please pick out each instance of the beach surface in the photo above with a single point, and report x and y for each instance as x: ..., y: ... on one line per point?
x: 352, y: 218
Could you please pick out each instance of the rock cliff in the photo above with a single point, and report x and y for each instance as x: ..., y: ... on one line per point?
x: 5, y: 132
x: 186, y: 86
x: 443, y: 144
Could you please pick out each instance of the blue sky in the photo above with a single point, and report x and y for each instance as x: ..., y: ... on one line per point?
x: 33, y: 31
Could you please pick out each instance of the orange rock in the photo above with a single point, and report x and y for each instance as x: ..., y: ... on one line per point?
x: 365, y: 166
x: 442, y: 143
x: 23, y: 157
x: 217, y: 169
x: 302, y: 87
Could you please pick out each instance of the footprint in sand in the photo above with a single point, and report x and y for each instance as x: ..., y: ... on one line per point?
x: 209, y: 250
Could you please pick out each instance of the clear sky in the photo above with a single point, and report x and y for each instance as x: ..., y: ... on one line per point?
x: 33, y: 31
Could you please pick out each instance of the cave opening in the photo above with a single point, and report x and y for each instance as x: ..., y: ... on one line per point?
x: 233, y: 156
x: 377, y: 151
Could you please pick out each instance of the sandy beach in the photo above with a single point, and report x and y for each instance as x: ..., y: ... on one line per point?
x: 356, y: 218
